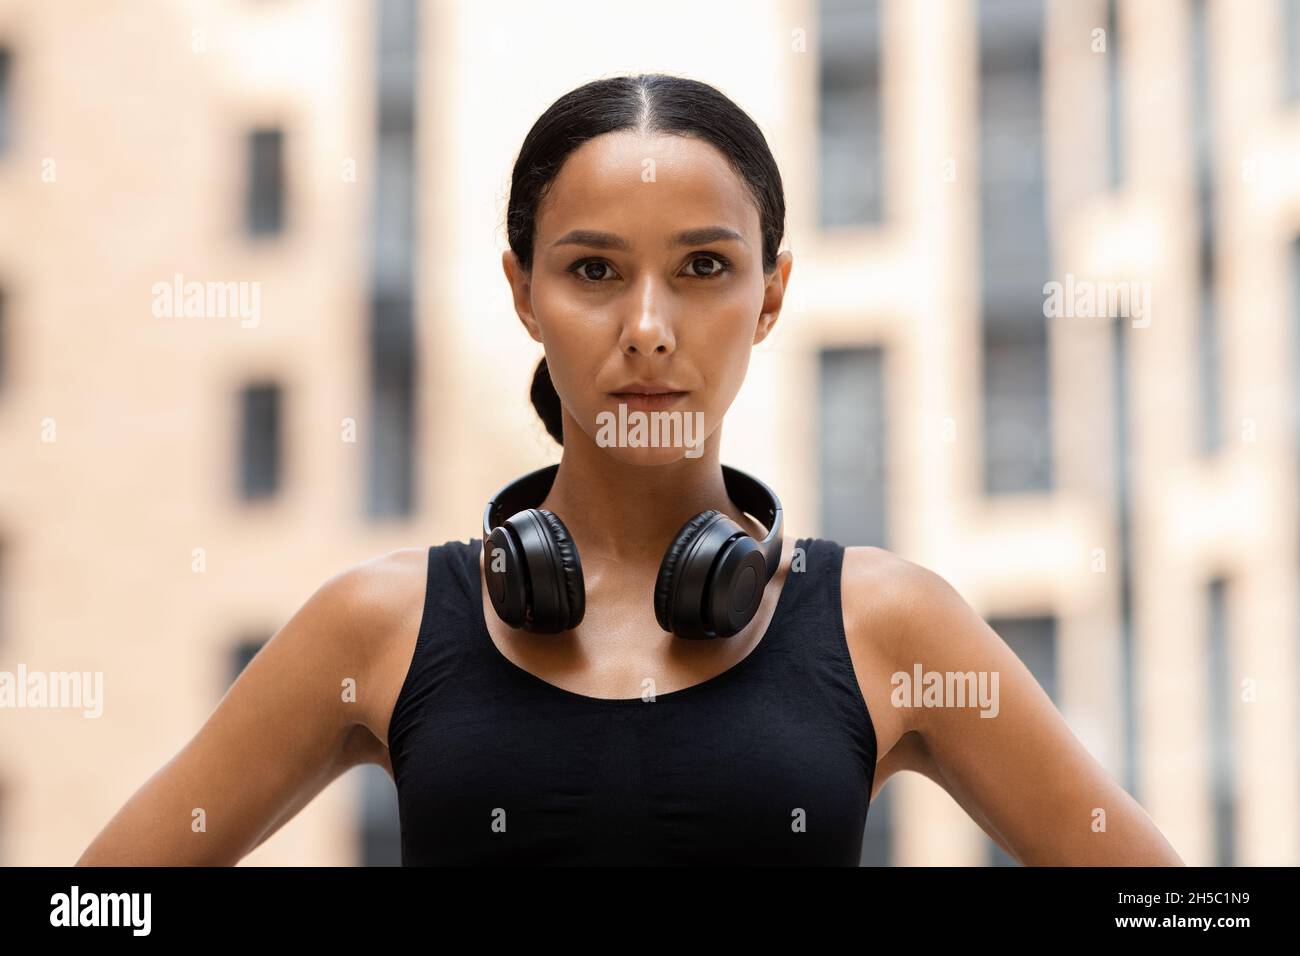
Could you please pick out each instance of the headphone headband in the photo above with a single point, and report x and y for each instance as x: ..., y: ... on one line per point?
x: 754, y: 497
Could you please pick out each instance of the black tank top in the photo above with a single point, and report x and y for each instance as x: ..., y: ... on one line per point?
x: 769, y: 762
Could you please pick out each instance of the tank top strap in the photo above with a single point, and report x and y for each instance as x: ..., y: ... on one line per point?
x: 817, y: 645
x: 450, y: 597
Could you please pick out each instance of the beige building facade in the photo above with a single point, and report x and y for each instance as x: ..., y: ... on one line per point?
x: 175, y: 482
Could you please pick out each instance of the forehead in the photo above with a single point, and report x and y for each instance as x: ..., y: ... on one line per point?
x: 633, y: 184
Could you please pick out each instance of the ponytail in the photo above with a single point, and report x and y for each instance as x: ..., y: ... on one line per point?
x: 547, y: 401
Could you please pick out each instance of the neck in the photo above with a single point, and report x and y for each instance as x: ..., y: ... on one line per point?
x: 629, y: 512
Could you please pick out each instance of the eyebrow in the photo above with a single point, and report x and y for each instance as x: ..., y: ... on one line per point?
x: 688, y: 237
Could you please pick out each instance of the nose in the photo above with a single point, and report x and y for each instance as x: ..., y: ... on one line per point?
x: 648, y: 329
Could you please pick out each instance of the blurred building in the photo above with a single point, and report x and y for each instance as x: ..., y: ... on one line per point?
x: 1113, y: 489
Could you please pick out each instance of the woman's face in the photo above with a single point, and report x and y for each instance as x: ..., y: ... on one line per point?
x: 647, y: 273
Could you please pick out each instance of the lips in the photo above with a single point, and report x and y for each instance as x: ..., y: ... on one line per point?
x: 648, y: 400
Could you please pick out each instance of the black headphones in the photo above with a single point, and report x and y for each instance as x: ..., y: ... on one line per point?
x: 710, y: 582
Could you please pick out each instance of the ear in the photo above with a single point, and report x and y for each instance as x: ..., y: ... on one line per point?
x: 521, y: 291
x: 774, y: 295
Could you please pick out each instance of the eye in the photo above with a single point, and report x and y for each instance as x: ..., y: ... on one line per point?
x: 723, y: 265
x: 581, y: 269
x: 594, y: 271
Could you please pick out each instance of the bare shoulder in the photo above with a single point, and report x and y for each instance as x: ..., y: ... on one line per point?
x: 890, y: 605
x: 913, y: 616
x: 884, y: 595
x: 377, y: 604
x: 378, y: 589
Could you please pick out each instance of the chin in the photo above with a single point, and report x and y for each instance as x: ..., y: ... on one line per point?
x: 661, y: 439
x: 653, y: 456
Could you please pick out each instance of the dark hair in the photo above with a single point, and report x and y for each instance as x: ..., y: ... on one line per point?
x: 647, y: 103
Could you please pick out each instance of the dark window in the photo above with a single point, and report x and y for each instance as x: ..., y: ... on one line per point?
x: 381, y: 835
x: 1017, y: 437
x: 1123, y: 478
x: 245, y: 648
x: 391, y: 334
x: 853, y: 446
x: 391, y: 480
x: 259, y: 442
x: 878, y: 835
x: 392, y: 409
x: 1014, y: 249
x: 1033, y: 639
x: 1222, y: 694
x: 265, y: 197
x: 1207, y: 339
x: 1114, y: 101
x: 1290, y: 18
x: 4, y: 341
x: 6, y: 109
x: 851, y: 157
x: 852, y: 475
x: 1295, y: 352
x: 4, y: 594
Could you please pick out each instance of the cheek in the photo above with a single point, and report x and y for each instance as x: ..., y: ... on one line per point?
x: 570, y: 370
x: 729, y: 380
x: 569, y: 332
x: 573, y: 355
x: 726, y: 350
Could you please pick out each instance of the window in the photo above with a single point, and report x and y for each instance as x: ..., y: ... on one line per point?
x: 1014, y: 249
x: 1123, y: 478
x: 1114, y: 105
x: 1295, y: 353
x: 4, y: 595
x: 1222, y: 693
x: 1207, y: 348
x: 244, y: 650
x: 259, y: 443
x: 852, y: 441
x: 264, y: 212
x: 853, y: 480
x: 6, y: 109
x: 1033, y: 639
x: 392, y: 407
x: 380, y: 829
x: 4, y: 341
x: 1290, y: 24
x: 877, y: 837
x: 393, y: 378
x: 851, y: 157
x: 392, y: 430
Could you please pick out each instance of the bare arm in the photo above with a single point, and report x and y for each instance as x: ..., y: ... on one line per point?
x: 1021, y: 775
x: 282, y: 732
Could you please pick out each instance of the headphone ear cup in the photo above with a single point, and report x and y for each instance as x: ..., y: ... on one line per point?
x: 504, y: 574
x: 666, y: 582
x: 736, y: 584
x: 552, y: 575
x: 573, y: 586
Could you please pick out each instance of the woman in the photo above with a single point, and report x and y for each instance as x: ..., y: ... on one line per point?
x: 644, y: 224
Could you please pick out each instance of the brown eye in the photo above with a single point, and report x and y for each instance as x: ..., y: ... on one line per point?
x: 715, y: 266
x: 590, y: 270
